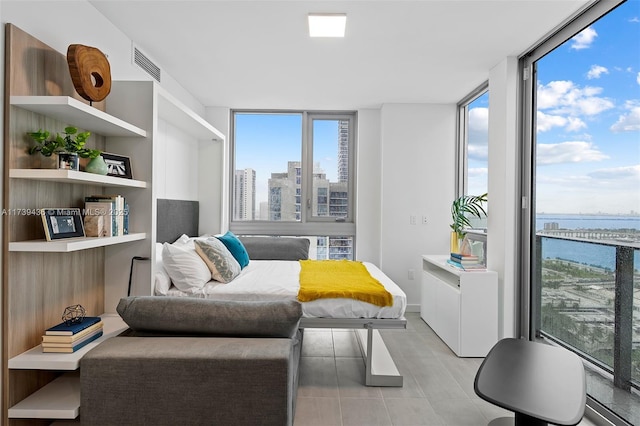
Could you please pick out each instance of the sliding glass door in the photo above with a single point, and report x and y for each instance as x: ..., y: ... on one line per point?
x: 583, y: 89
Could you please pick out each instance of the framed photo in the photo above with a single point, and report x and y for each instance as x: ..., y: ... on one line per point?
x: 62, y: 223
x: 118, y: 165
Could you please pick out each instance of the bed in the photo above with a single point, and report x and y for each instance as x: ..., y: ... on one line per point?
x: 278, y: 280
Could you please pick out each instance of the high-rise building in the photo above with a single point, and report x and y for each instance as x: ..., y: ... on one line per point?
x: 244, y: 196
x: 329, y: 199
x: 343, y: 151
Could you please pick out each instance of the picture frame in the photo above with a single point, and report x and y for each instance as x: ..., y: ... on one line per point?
x: 118, y: 165
x: 62, y: 223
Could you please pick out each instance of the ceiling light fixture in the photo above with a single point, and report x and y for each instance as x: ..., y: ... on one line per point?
x: 327, y: 24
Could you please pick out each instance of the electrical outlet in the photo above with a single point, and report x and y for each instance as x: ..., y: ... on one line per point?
x: 412, y: 219
x: 424, y: 220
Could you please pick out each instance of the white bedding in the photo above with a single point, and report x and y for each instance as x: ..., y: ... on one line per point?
x: 278, y: 280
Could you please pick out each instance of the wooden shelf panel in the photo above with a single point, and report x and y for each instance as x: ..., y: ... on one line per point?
x: 73, y: 244
x: 176, y: 113
x: 35, y: 359
x: 72, y: 176
x: 78, y: 114
x: 60, y: 399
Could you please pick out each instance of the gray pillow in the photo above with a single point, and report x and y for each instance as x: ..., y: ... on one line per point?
x: 188, y: 316
x: 276, y: 248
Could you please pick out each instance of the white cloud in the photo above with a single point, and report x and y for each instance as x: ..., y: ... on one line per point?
x: 629, y: 122
x: 545, y: 122
x: 617, y: 173
x: 638, y: 78
x: 478, y: 152
x: 568, y: 152
x: 565, y: 97
x: 634, y: 19
x: 596, y: 71
x: 584, y: 38
x: 479, y: 119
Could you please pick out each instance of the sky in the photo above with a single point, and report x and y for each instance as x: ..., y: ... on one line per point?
x: 587, y: 119
x: 267, y: 142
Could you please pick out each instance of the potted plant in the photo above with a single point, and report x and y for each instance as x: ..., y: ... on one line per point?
x: 68, y: 147
x: 462, y: 209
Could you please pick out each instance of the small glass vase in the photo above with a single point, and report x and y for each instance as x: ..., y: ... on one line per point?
x: 68, y: 161
x: 97, y: 165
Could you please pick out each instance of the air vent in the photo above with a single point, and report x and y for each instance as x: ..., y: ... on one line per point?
x: 145, y: 63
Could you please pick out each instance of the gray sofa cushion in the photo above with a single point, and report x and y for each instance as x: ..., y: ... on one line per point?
x: 187, y: 316
x: 276, y: 248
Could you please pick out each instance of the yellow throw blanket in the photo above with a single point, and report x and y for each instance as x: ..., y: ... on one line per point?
x: 340, y: 279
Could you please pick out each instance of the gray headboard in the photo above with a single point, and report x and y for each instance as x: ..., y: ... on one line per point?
x: 176, y: 217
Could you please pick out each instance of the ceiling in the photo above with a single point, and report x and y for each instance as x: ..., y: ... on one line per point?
x: 257, y: 54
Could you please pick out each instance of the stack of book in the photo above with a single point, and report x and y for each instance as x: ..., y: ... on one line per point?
x: 466, y: 262
x: 106, y: 216
x: 70, y: 338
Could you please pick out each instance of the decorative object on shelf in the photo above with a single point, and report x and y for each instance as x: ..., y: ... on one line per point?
x: 118, y: 165
x: 73, y: 314
x: 97, y: 165
x: 62, y: 223
x: 90, y: 72
x: 67, y: 147
x: 461, y: 208
x: 68, y: 161
x: 94, y: 225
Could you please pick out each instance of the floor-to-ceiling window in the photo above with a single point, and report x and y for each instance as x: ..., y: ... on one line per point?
x: 473, y: 142
x: 293, y: 174
x: 582, y: 97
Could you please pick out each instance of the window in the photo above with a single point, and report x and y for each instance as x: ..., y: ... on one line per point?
x: 473, y: 142
x: 582, y: 94
x: 293, y: 174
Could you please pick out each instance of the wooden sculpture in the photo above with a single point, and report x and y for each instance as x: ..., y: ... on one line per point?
x: 90, y: 72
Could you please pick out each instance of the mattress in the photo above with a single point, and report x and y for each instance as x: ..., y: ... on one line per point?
x: 279, y: 279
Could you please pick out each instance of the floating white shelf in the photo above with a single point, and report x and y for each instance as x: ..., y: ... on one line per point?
x: 78, y: 114
x: 178, y: 114
x: 72, y: 176
x: 35, y: 359
x: 60, y: 399
x: 73, y: 244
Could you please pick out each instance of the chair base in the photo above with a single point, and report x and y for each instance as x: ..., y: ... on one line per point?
x: 519, y: 420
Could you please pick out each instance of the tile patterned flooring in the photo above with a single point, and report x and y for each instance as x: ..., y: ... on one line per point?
x: 438, y: 386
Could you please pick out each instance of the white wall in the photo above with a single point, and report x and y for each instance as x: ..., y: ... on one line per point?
x: 61, y: 23
x: 175, y: 163
x: 369, y: 182
x: 213, y: 167
x: 503, y: 203
x: 418, y: 154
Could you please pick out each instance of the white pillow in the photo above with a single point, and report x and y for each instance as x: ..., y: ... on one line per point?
x: 187, y: 270
x: 162, y: 279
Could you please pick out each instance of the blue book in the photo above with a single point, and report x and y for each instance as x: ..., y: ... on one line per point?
x: 71, y: 349
x: 63, y: 329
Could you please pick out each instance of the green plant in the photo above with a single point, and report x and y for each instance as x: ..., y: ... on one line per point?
x: 465, y: 207
x: 62, y: 143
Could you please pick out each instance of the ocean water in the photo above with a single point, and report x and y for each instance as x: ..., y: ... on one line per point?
x: 590, y: 254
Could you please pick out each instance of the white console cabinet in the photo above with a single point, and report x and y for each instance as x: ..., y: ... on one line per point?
x: 461, y: 307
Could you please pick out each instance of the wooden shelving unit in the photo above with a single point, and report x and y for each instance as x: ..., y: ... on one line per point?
x: 69, y: 110
x: 35, y: 359
x: 73, y: 244
x: 72, y: 176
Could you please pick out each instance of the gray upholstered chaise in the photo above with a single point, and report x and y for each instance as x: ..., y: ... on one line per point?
x: 195, y: 362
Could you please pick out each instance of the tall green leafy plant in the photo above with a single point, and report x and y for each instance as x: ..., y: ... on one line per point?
x: 465, y: 207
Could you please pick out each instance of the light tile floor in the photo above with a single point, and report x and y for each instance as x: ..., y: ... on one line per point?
x: 438, y: 386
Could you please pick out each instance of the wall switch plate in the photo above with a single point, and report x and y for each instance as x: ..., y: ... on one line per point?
x: 412, y: 219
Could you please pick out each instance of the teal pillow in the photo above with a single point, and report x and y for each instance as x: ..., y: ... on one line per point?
x: 233, y: 244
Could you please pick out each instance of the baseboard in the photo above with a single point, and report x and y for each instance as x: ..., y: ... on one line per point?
x: 413, y: 308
